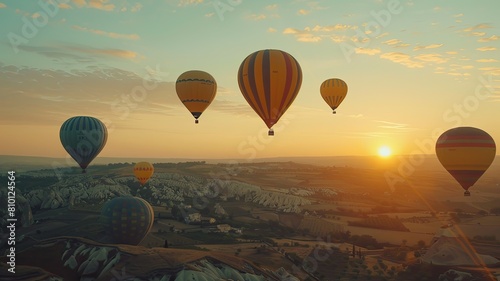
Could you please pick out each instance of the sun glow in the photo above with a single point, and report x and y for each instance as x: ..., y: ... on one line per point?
x: 384, y: 151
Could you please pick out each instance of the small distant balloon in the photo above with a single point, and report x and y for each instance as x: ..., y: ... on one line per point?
x: 83, y: 137
x: 333, y: 92
x: 270, y: 80
x: 143, y: 171
x: 196, y: 90
x: 466, y: 153
x: 129, y: 219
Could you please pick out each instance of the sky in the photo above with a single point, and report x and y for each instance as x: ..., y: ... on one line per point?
x: 414, y: 70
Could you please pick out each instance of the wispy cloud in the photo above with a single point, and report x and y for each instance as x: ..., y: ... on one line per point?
x: 270, y: 29
x: 126, y: 54
x: 303, y: 12
x: 107, y: 34
x: 103, y: 5
x: 437, y: 58
x: 485, y: 49
x: 489, y: 39
x: 183, y: 3
x: 487, y: 60
x: 256, y: 17
x: 2, y: 5
x: 367, y: 51
x: 473, y: 29
x: 495, y: 71
x: 272, y: 7
x: 318, y: 32
x: 403, y: 59
x: 432, y: 46
x: 302, y: 35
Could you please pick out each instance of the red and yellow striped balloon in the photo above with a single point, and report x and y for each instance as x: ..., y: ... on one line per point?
x: 333, y: 92
x: 143, y: 171
x: 466, y: 153
x: 270, y: 80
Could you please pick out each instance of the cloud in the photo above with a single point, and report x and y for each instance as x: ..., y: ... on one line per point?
x: 392, y: 125
x: 489, y: 39
x: 452, y: 52
x: 432, y: 46
x: 303, y: 12
x: 270, y: 29
x: 487, y: 60
x: 256, y: 17
x: 137, y: 7
x: 485, y: 49
x: 2, y: 5
x: 108, y: 52
x: 437, y: 58
x: 209, y: 15
x: 302, y: 35
x: 64, y: 6
x: 367, y: 51
x: 495, y: 71
x: 458, y: 15
x: 396, y: 43
x: 107, y: 34
x: 403, y: 59
x: 329, y: 28
x: 183, y: 3
x: 476, y: 27
x: 95, y: 4
x: 272, y: 7
x: 49, y: 97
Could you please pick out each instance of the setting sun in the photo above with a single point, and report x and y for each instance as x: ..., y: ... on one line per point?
x: 384, y: 151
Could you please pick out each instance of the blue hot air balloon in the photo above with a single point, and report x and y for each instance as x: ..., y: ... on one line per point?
x: 83, y: 137
x: 129, y: 219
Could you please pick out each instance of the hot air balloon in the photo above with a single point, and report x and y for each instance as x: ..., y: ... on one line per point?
x: 129, y: 219
x: 83, y: 137
x: 143, y: 171
x: 333, y: 92
x: 196, y: 89
x: 270, y: 80
x: 466, y: 153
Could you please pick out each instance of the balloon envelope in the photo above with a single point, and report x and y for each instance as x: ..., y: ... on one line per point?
x: 196, y: 89
x: 333, y: 92
x: 129, y: 219
x: 83, y: 137
x: 466, y: 153
x: 143, y: 171
x: 270, y: 80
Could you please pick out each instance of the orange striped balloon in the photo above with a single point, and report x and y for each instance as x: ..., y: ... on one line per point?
x: 333, y: 92
x: 270, y: 80
x: 143, y: 171
x: 466, y: 153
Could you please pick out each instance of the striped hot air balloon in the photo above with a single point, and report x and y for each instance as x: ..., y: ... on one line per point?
x: 333, y: 92
x: 466, y: 153
x: 196, y: 90
x: 143, y: 171
x: 270, y: 80
x: 83, y: 137
x: 129, y: 219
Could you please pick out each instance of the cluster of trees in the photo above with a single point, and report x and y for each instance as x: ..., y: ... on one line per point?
x: 381, y: 222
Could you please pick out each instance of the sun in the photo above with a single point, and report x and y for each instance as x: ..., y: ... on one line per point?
x: 384, y: 151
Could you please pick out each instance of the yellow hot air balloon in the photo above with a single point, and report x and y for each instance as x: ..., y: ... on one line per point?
x: 270, y: 80
x: 333, y: 92
x: 143, y: 171
x: 466, y: 153
x: 196, y: 89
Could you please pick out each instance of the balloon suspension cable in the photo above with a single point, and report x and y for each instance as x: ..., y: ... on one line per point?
x: 271, y: 132
x: 196, y: 121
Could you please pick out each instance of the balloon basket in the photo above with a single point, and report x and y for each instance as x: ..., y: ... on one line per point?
x: 196, y: 121
x: 334, y: 112
x: 467, y: 193
x: 84, y: 171
x: 271, y: 132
